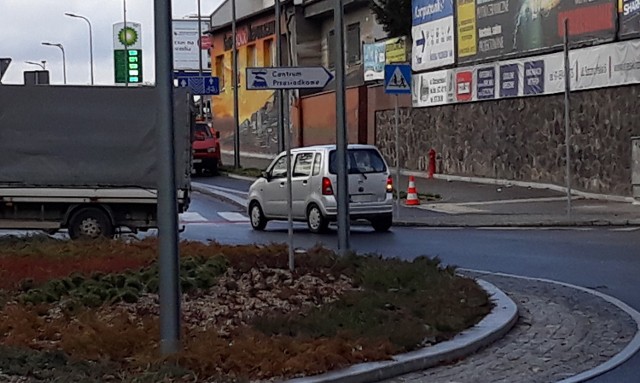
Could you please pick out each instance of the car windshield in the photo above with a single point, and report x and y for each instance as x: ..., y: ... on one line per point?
x: 359, y: 161
x: 203, y: 129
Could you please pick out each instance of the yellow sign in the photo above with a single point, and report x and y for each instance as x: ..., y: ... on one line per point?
x: 467, y: 40
x: 396, y: 50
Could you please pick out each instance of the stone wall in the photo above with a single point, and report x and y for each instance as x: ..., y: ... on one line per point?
x: 523, y: 138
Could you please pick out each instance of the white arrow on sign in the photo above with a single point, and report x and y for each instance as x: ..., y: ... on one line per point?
x: 287, y: 78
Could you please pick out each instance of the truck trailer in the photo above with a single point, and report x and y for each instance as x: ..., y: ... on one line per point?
x: 85, y: 159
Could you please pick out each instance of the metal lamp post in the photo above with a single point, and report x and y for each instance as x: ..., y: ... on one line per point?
x: 90, y: 38
x: 41, y: 65
x: 64, y: 59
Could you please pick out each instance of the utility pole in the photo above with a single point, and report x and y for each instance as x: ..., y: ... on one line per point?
x: 200, y: 55
x: 341, y: 132
x: 168, y: 252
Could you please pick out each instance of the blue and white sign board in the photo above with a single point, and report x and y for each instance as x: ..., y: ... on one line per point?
x: 287, y: 78
x: 432, y: 29
x: 203, y: 86
x: 397, y: 79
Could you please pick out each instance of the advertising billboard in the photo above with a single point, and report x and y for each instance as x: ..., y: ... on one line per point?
x: 186, y: 46
x: 511, y: 27
x: 433, y: 34
x: 374, y: 60
x: 629, y: 16
x: 594, y: 67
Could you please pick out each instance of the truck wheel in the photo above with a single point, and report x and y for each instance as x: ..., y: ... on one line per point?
x: 214, y: 168
x: 90, y: 223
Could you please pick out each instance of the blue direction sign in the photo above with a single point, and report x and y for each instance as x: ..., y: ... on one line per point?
x: 205, y: 85
x: 287, y: 78
x: 397, y: 79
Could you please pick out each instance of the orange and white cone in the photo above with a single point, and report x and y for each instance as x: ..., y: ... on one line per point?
x: 412, y: 194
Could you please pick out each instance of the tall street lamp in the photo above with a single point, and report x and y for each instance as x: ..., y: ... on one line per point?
x: 64, y: 59
x: 90, y: 39
x: 41, y: 65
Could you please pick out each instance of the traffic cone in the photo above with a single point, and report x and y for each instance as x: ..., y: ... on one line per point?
x: 412, y: 194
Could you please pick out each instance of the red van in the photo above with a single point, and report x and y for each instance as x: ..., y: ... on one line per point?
x: 206, y: 149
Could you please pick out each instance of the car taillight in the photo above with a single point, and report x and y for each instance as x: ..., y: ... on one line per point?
x: 326, y: 186
x: 389, y: 185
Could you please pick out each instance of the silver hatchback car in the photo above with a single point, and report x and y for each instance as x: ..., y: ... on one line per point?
x: 313, y: 182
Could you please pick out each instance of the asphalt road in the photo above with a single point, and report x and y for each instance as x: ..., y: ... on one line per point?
x: 605, y: 259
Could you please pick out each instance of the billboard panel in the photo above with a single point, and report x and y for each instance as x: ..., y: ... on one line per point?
x: 374, y: 60
x: 511, y: 27
x: 186, y: 46
x: 590, y: 68
x: 629, y: 16
x: 433, y: 34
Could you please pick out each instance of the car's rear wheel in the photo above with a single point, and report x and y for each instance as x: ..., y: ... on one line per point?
x: 316, y: 221
x: 382, y: 223
x: 258, y: 220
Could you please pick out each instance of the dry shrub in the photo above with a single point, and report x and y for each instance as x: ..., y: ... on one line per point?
x: 257, y: 356
x: 133, y: 344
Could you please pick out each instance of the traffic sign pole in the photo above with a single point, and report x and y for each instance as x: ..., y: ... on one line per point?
x: 397, y: 161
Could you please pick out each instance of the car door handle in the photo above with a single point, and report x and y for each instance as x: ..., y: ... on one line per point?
x: 304, y: 182
x: 281, y: 184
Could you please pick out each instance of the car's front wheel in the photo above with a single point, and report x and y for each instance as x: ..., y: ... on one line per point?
x: 258, y: 220
x: 382, y: 223
x: 316, y: 221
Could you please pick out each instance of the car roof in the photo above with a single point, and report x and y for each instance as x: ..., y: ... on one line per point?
x: 331, y: 147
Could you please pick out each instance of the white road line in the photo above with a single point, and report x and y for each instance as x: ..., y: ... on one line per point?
x: 625, y: 229
x: 434, y: 228
x: 451, y: 208
x: 521, y: 200
x: 192, y: 217
x: 233, y: 217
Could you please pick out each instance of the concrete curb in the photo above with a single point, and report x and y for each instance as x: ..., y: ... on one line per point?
x: 619, y: 358
x: 532, y: 224
x: 239, y: 177
x: 493, y: 327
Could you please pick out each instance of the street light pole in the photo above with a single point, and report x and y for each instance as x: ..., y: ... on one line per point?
x: 41, y: 65
x: 64, y: 59
x: 236, y: 112
x: 90, y: 39
x: 200, y: 54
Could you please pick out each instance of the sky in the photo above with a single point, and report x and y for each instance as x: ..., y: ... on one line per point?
x: 25, y: 24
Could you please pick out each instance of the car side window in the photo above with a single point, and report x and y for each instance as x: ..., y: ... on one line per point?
x: 302, y: 167
x: 316, y: 164
x: 279, y: 170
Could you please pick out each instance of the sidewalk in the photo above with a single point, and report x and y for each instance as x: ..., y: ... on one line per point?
x: 475, y: 204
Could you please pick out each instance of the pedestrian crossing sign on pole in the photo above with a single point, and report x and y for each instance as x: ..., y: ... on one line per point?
x: 397, y: 79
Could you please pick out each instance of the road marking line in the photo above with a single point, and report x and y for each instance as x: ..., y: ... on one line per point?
x: 438, y: 228
x: 451, y: 208
x: 233, y: 217
x: 625, y: 229
x: 191, y: 217
x: 521, y: 200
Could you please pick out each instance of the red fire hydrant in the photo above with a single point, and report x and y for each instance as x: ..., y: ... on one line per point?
x: 432, y: 163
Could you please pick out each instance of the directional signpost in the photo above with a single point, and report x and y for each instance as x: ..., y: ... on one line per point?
x: 200, y: 85
x: 397, y: 80
x: 288, y: 78
x: 4, y: 64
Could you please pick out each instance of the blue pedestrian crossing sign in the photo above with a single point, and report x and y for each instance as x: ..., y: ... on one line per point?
x: 200, y: 85
x: 397, y: 79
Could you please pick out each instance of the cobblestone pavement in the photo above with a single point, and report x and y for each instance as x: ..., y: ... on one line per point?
x: 561, y: 332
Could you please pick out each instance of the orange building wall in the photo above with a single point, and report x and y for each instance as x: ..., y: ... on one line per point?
x: 255, y: 135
